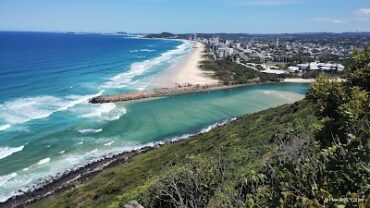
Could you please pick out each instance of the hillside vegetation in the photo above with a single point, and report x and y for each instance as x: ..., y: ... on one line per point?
x: 313, y: 153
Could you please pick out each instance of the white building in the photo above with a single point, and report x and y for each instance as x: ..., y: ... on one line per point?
x: 303, y: 66
x: 321, y: 66
x: 314, y: 66
x: 229, y: 51
x: 228, y: 42
x: 293, y: 69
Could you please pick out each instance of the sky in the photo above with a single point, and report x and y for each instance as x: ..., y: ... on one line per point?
x: 184, y: 16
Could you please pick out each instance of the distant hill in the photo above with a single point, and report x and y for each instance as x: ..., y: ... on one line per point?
x: 168, y: 35
x: 239, y: 36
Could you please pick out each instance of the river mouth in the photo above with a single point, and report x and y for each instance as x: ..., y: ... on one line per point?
x: 47, y: 126
x: 131, y: 125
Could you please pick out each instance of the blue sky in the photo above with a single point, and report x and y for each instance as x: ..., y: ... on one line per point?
x: 181, y: 16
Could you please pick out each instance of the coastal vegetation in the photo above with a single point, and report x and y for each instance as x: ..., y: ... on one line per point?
x: 312, y: 153
x: 232, y: 73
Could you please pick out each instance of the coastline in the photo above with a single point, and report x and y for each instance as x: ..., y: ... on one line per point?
x: 298, y: 80
x: 187, y: 71
x: 80, y: 175
x: 184, y: 73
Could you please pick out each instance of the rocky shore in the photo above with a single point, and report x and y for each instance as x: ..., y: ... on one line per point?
x: 72, y: 178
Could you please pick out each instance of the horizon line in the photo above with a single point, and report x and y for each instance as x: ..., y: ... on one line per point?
x: 184, y: 33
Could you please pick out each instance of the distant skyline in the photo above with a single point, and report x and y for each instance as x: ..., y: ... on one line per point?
x: 186, y: 16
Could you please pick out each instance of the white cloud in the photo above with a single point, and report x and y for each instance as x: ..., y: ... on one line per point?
x: 364, y: 12
x: 331, y: 20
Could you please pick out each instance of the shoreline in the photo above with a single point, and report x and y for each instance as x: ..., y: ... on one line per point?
x: 298, y: 80
x: 80, y: 175
x: 186, y: 71
x: 187, y: 89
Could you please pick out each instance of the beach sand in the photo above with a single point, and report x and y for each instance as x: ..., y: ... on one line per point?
x: 186, y: 71
x: 298, y: 80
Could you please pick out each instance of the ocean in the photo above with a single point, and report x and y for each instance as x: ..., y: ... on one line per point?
x: 48, y: 127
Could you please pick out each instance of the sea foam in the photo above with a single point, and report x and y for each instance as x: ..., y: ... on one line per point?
x: 26, y: 109
x: 44, y: 161
x: 142, y: 50
x: 79, y: 160
x: 4, y: 179
x: 7, y: 151
x: 106, y: 111
x: 147, y: 50
x: 88, y: 131
x: 124, y: 79
x: 4, y: 127
x: 109, y: 143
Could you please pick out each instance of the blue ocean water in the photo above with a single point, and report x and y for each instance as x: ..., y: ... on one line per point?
x: 62, y: 69
x: 48, y: 127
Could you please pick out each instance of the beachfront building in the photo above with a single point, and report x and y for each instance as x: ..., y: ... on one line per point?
x: 270, y: 70
x: 293, y: 69
x: 303, y: 67
x: 280, y: 50
x: 314, y: 66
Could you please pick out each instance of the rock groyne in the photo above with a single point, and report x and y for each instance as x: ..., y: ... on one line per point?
x: 161, y: 92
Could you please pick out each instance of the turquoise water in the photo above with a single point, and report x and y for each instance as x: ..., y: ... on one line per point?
x: 55, y: 130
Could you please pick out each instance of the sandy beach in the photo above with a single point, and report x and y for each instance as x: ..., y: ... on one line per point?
x: 187, y: 71
x: 298, y: 80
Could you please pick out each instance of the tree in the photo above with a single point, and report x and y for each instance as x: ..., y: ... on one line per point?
x: 344, y: 110
x: 359, y: 72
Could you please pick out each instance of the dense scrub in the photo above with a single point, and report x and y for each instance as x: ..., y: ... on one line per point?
x: 232, y: 73
x: 313, y: 153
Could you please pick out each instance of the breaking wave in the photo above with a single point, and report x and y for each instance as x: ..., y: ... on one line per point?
x: 26, y: 109
x: 87, y: 131
x: 109, y: 143
x: 4, y: 127
x: 124, y: 79
x: 106, y: 111
x: 142, y: 50
x: 44, y: 161
x: 80, y: 160
x: 4, y: 179
x: 7, y: 151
